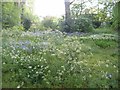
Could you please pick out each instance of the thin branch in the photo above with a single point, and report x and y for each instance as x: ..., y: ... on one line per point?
x: 90, y: 1
x: 72, y: 2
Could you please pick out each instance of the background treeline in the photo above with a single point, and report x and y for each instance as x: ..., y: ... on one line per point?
x: 82, y: 18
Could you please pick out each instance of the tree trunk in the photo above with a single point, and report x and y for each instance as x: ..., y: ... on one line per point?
x: 67, y: 16
x: 67, y: 9
x: 22, y: 3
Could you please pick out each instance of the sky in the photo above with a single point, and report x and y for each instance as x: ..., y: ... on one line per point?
x: 49, y: 8
x: 53, y: 7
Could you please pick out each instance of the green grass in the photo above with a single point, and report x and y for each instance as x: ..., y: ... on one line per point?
x: 105, y: 30
x: 62, y: 62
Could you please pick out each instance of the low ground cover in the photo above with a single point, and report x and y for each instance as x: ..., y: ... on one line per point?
x: 54, y: 59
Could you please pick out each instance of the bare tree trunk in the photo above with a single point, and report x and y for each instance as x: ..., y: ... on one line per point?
x: 67, y: 16
x: 67, y: 9
x: 21, y: 4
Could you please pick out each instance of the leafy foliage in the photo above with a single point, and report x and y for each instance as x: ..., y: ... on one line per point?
x: 26, y: 24
x: 116, y: 16
x: 79, y: 25
x: 104, y: 43
x: 50, y: 23
x: 54, y: 60
x: 10, y: 14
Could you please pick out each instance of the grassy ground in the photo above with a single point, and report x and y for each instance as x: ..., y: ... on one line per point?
x: 53, y: 59
x: 105, y: 30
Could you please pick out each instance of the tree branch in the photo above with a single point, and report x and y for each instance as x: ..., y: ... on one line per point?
x: 72, y: 2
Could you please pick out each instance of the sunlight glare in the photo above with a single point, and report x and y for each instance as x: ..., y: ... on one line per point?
x: 49, y: 8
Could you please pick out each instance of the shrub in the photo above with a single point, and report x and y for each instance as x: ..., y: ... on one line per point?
x: 104, y: 43
x: 26, y: 24
x: 37, y: 27
x: 96, y: 24
x: 93, y: 17
x: 63, y: 27
x: 10, y: 14
x: 50, y: 23
x: 116, y: 16
x: 79, y: 25
x: 17, y: 28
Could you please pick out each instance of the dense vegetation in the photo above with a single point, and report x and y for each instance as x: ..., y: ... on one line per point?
x: 80, y: 52
x: 53, y: 59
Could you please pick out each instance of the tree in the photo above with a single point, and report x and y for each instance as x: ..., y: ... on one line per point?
x: 67, y: 13
x: 10, y: 14
x: 116, y: 16
x: 50, y: 23
x: 0, y: 14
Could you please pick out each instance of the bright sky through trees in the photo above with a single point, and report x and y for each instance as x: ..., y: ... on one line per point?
x: 55, y: 7
x: 49, y: 8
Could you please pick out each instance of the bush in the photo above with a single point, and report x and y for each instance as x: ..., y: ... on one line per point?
x: 93, y: 17
x: 50, y: 23
x: 104, y: 43
x: 63, y: 27
x: 26, y: 24
x: 79, y: 25
x: 17, y: 28
x: 10, y: 15
x: 96, y: 24
x: 37, y: 27
x: 116, y: 16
